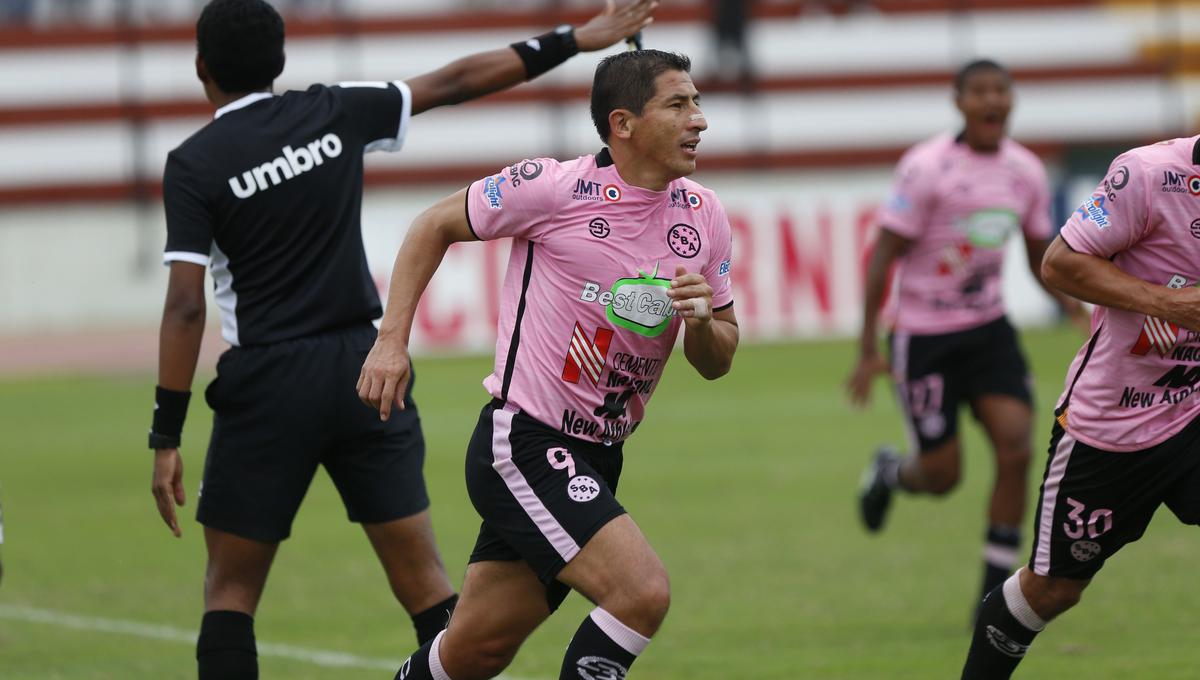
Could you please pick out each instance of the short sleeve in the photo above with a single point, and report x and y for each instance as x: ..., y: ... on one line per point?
x: 189, y: 218
x: 716, y: 270
x: 378, y: 111
x: 515, y: 202
x: 1036, y: 221
x: 1116, y: 215
x: 908, y: 205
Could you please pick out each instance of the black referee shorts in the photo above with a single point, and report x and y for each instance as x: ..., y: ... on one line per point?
x: 936, y: 374
x: 279, y: 411
x: 542, y: 494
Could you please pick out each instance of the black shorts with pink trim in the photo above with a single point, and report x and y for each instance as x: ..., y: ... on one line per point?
x: 542, y: 494
x: 1094, y: 502
x: 936, y: 374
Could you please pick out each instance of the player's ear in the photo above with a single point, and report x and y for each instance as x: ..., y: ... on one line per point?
x: 621, y: 123
x: 202, y: 70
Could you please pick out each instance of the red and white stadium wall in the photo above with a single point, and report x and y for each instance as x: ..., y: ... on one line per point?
x: 800, y: 243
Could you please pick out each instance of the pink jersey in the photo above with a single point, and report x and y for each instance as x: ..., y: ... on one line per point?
x: 1134, y: 384
x: 959, y: 207
x: 585, y: 324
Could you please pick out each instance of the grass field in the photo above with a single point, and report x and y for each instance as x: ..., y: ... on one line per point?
x: 745, y: 486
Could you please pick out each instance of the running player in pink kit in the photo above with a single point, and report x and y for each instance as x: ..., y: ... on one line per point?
x: 611, y: 255
x: 1126, y: 437
x: 956, y: 202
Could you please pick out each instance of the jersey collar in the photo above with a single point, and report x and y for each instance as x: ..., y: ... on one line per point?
x: 242, y: 103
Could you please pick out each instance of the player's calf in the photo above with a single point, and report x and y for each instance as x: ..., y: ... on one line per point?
x: 1010, y: 618
x: 603, y: 647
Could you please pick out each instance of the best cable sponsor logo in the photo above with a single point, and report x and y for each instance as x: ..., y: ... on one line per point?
x: 639, y: 304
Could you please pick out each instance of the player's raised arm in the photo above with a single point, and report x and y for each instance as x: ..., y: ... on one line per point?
x: 386, y: 372
x: 487, y: 72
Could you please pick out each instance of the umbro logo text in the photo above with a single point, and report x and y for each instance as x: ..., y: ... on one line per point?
x: 293, y: 162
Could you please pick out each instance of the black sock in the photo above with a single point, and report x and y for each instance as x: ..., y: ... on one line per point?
x: 603, y: 647
x: 1001, y: 638
x: 418, y: 667
x: 433, y: 620
x: 1000, y: 556
x: 225, y: 650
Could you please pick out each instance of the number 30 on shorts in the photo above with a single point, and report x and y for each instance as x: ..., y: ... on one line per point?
x: 1099, y: 522
x: 581, y: 488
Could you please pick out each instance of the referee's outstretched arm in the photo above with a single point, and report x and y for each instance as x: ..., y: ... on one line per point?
x: 487, y: 72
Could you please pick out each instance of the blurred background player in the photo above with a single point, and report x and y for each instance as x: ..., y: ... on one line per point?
x: 269, y: 196
x: 1126, y: 438
x: 590, y: 313
x: 956, y: 201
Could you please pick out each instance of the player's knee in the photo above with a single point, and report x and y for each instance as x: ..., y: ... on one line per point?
x: 941, y: 480
x: 1013, y: 456
x: 650, y: 599
x: 486, y: 658
x: 1050, y: 596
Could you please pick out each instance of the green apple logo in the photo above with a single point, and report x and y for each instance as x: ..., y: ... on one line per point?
x: 990, y: 228
x: 641, y: 304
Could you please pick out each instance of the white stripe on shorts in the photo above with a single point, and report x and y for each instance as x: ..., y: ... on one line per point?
x: 900, y: 342
x: 503, y: 464
x: 1054, y: 477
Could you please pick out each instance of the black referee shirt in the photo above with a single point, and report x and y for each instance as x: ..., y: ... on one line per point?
x: 269, y: 195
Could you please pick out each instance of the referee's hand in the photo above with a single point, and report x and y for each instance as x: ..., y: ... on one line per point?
x: 167, y: 486
x: 616, y: 23
x: 384, y: 377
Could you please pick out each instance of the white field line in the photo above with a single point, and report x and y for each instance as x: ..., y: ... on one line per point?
x: 320, y: 657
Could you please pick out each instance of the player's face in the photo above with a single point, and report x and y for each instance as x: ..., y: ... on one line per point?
x: 670, y: 125
x: 985, y: 101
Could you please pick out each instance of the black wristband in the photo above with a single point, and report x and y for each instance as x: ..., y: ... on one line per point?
x: 544, y: 52
x: 170, y: 410
x: 163, y: 441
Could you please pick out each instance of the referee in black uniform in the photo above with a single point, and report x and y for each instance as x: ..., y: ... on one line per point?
x: 268, y: 196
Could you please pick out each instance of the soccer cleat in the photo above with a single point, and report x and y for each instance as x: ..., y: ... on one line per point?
x: 874, y: 495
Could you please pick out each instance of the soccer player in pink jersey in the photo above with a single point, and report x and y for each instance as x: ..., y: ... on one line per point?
x: 1126, y: 437
x: 956, y: 201
x: 612, y: 255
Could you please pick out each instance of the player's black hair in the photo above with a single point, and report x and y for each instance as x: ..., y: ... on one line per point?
x: 626, y: 81
x: 241, y: 43
x: 970, y: 69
